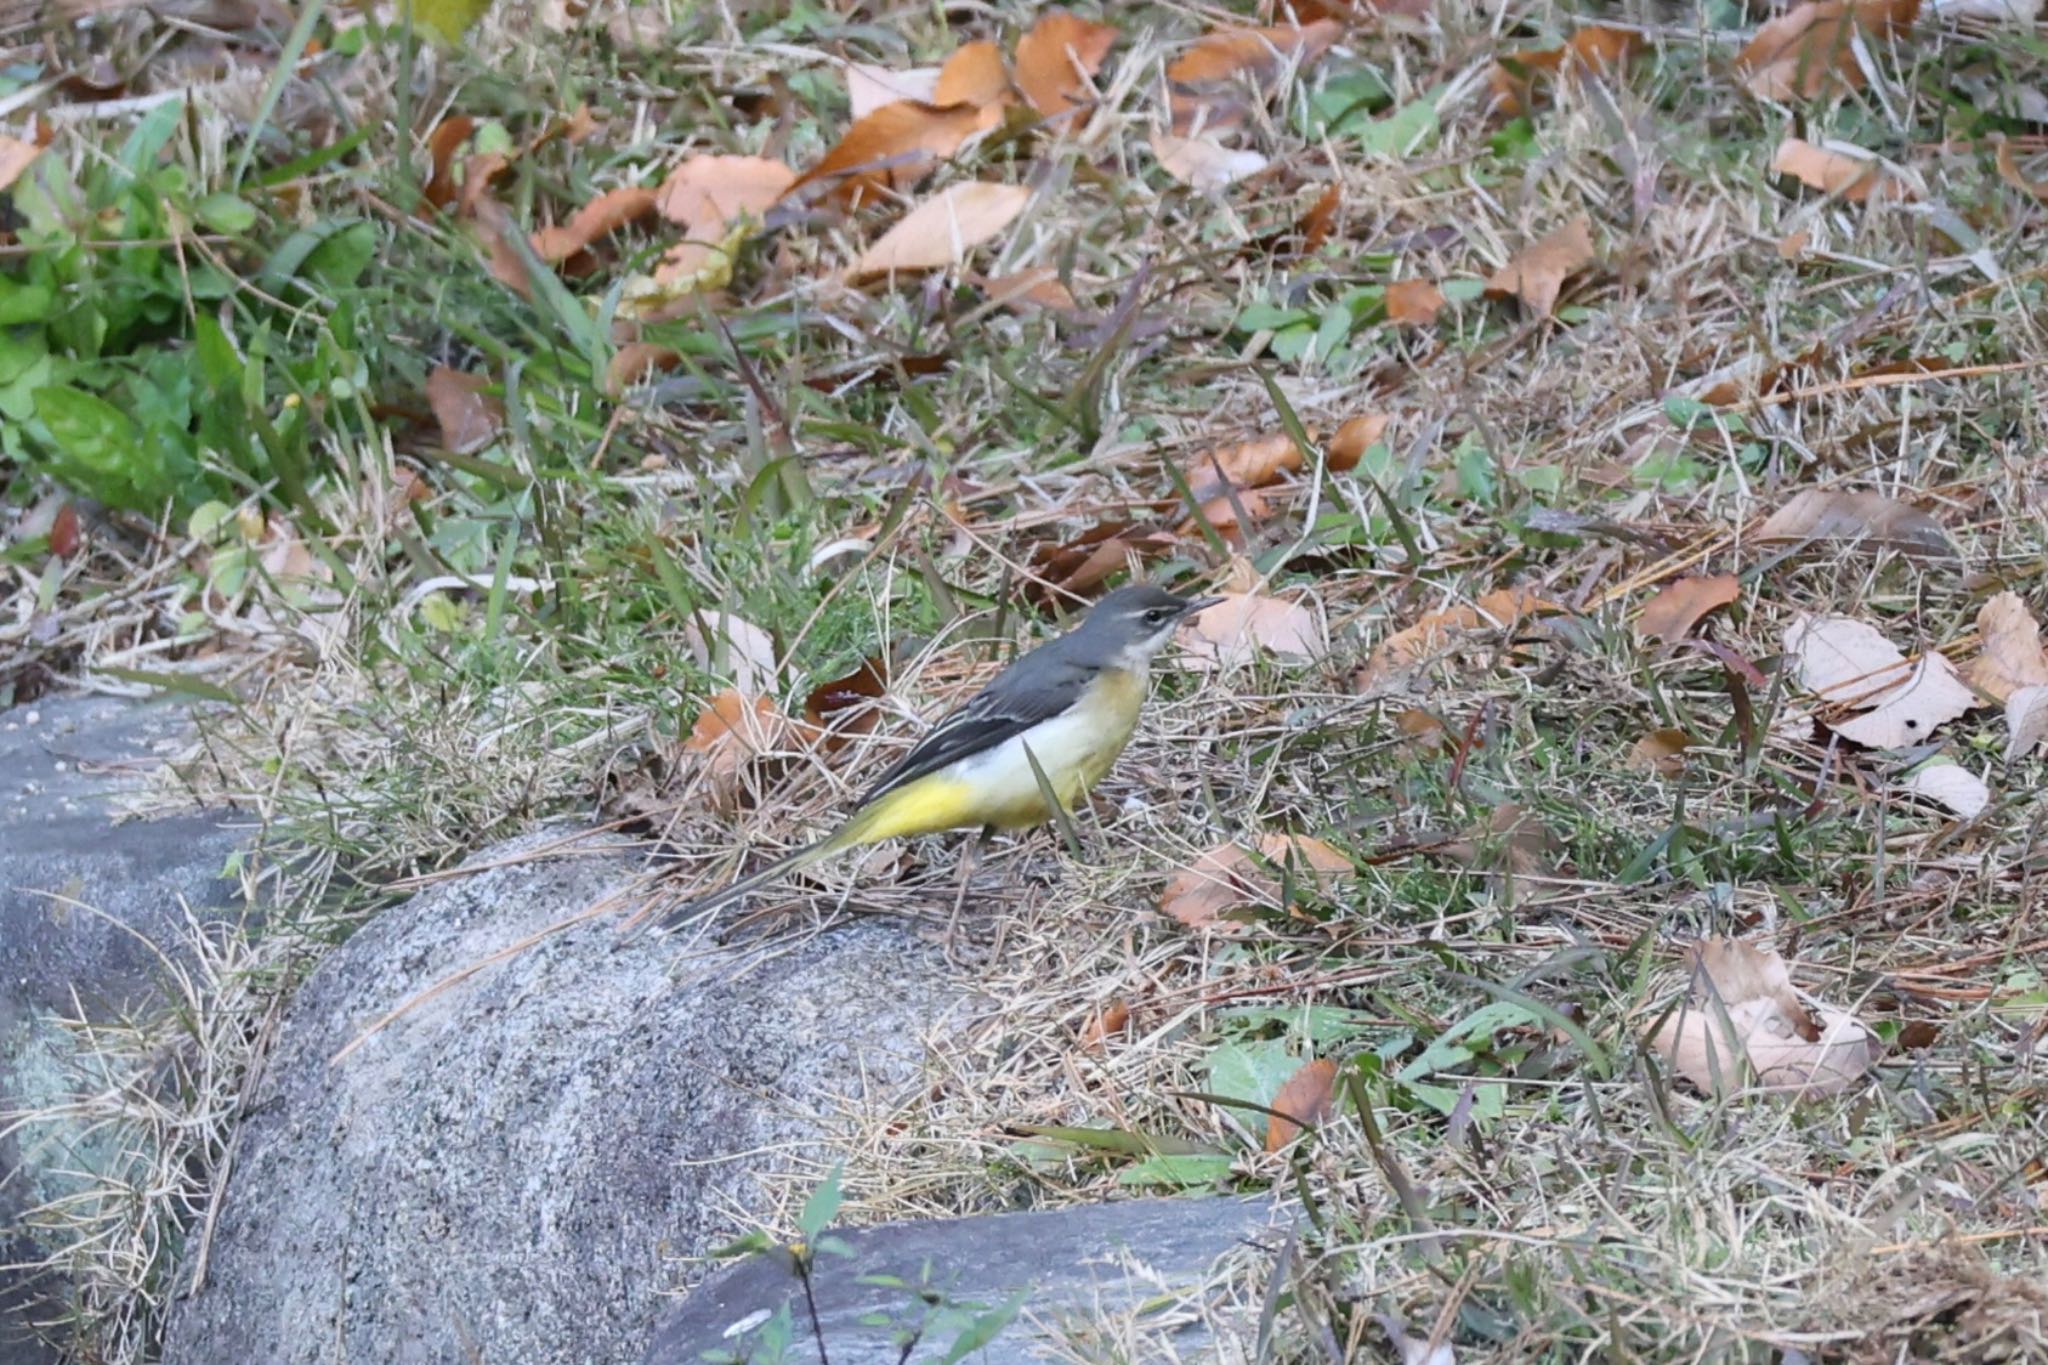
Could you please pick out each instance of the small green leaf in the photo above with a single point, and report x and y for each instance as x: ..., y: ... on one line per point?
x: 1181, y: 1171
x: 822, y: 1207
x: 224, y: 212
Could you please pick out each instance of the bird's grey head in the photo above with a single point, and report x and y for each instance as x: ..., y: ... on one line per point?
x: 1136, y: 622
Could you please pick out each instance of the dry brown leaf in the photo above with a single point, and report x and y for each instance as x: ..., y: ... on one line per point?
x: 1226, y: 877
x: 1679, y: 606
x: 731, y: 733
x: 2011, y: 656
x: 1413, y: 303
x: 2026, y: 721
x: 1209, y: 79
x: 1203, y: 163
x: 1243, y: 464
x: 1597, y: 49
x: 1113, y: 1018
x: 727, y: 646
x: 1742, y: 1018
x: 634, y: 361
x: 1321, y: 219
x: 2008, y: 170
x: 1512, y: 841
x: 1236, y: 630
x: 442, y: 144
x: 1848, y: 663
x: 1812, y: 46
x: 974, y: 75
x: 1407, y: 651
x: 1821, y: 514
x: 470, y: 418
x: 868, y: 88
x: 1950, y: 785
x: 1057, y: 58
x: 938, y: 234
x: 706, y: 193
x: 1303, y: 1101
x: 1537, y: 273
x: 1356, y: 436
x: 15, y: 156
x: 893, y: 148
x: 1661, y: 752
x: 601, y: 217
x: 494, y: 229
x: 1854, y: 178
x: 1037, y: 285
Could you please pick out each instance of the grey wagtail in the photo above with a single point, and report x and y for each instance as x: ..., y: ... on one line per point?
x: 1071, y: 704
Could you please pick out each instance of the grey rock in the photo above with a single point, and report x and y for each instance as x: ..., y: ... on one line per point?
x: 931, y: 1281
x: 85, y: 905
x: 513, y: 1169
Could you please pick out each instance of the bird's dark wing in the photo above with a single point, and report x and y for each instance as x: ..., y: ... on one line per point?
x: 1035, y: 688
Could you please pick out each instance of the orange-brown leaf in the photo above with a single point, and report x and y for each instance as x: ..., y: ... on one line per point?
x: 1537, y: 273
x: 893, y: 147
x: 1407, y: 651
x: 1208, y: 888
x: 1678, y: 607
x: 1302, y: 1102
x: 601, y: 217
x: 1056, y: 59
x: 470, y: 417
x: 1113, y: 1018
x: 1208, y: 77
x: 1853, y: 178
x: 1812, y: 46
x: 1413, y: 303
x: 634, y: 361
x: 442, y: 144
x: 1596, y: 49
x: 706, y: 193
x: 973, y: 75
x: 2008, y: 170
x: 1243, y: 464
x: 939, y: 233
x: 1353, y: 439
x: 731, y: 732
x: 1661, y: 752
x: 1321, y: 218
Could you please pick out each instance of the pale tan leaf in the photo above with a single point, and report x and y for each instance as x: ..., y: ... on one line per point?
x: 1823, y: 514
x: 1537, y: 273
x: 1407, y: 651
x: 1057, y: 58
x: 705, y: 193
x: 2008, y: 170
x: 892, y: 148
x: 1951, y: 785
x: 634, y: 361
x: 1236, y: 630
x: 469, y: 415
x: 2026, y: 722
x: 727, y: 646
x: 1742, y: 1021
x: 1848, y: 663
x: 600, y: 217
x: 1679, y: 606
x: 15, y: 156
x: 2011, y: 656
x: 1851, y: 177
x: 1302, y: 1101
x: 868, y: 88
x: 1207, y: 889
x: 1203, y: 163
x: 939, y: 233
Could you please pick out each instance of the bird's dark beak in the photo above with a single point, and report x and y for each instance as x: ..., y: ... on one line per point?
x: 1198, y: 606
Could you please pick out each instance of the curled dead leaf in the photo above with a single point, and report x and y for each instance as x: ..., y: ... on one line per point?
x: 1680, y: 605
x: 1252, y: 463
x: 2008, y: 170
x: 1208, y: 80
x: 1854, y: 177
x: 734, y: 734
x: 1407, y: 651
x: 892, y: 148
x: 1597, y: 49
x: 1057, y: 58
x: 1105, y: 1023
x: 1741, y: 1018
x: 1661, y: 752
x: 1812, y: 46
x: 1873, y: 518
x: 1203, y: 163
x: 1303, y: 1101
x: 1950, y: 785
x: 442, y: 144
x: 1356, y: 436
x: 938, y: 234
x: 470, y: 416
x: 1413, y: 303
x: 1537, y: 273
x: 599, y: 218
x: 2011, y: 656
x: 845, y: 706
x: 1226, y: 877
x: 1240, y: 627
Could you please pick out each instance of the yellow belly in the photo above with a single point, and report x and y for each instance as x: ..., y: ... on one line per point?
x: 1075, y: 750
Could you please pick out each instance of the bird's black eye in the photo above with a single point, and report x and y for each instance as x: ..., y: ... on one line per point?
x: 1158, y: 616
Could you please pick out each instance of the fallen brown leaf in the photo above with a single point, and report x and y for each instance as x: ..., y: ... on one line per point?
x: 1679, y: 606
x: 1037, y: 285
x: 1252, y: 463
x: 1203, y: 163
x: 1821, y: 514
x: 2008, y: 170
x: 1854, y: 178
x: 1321, y: 219
x: 1227, y: 876
x: 2026, y: 721
x: 1742, y: 1017
x: 1413, y: 303
x: 1240, y: 627
x: 1812, y: 46
x: 844, y: 707
x: 15, y: 156
x: 709, y: 196
x: 1661, y: 752
x: 1537, y: 273
x: 1302, y: 1101
x: 470, y: 417
x: 634, y: 361
x: 1208, y: 79
x: 1512, y: 840
x: 1356, y: 436
x: 973, y: 75
x: 1113, y: 1018
x: 1057, y: 58
x: 442, y: 144
x: 938, y: 234
x: 2011, y: 656
x: 1597, y: 49
x: 1407, y: 651
x: 731, y: 733
x: 892, y: 148
x: 601, y: 217
x: 869, y: 87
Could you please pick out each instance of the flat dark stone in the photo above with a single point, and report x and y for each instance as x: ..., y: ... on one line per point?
x: 1075, y: 1263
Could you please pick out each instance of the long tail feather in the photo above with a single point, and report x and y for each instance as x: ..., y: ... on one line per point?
x: 754, y: 881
